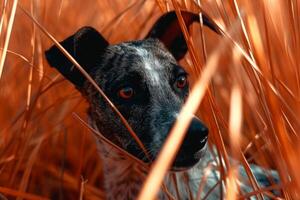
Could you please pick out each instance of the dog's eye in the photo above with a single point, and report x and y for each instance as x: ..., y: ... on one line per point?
x: 181, y: 81
x: 126, y: 92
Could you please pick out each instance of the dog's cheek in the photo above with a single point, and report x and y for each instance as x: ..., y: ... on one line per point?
x: 110, y: 124
x: 139, y: 121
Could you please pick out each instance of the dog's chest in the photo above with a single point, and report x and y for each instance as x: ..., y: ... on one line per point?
x: 123, y: 177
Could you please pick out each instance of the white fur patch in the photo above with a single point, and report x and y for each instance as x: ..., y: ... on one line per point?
x: 151, y: 65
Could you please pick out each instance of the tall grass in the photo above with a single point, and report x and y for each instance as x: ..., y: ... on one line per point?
x: 245, y: 80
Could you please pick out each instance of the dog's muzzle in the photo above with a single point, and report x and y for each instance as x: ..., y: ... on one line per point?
x: 193, y: 147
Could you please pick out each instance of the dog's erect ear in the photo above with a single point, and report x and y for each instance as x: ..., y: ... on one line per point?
x: 86, y: 46
x: 168, y: 31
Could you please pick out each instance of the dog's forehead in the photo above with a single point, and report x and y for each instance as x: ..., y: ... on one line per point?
x: 135, y: 51
x: 147, y: 57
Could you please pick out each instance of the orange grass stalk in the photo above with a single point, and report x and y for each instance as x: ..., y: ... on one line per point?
x: 17, y: 193
x: 207, y: 171
x: 236, y: 119
x: 71, y: 183
x: 235, y: 122
x: 278, y: 127
x: 8, y: 34
x: 82, y: 188
x: 4, y: 5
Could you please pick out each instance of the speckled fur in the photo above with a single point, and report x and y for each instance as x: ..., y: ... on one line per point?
x: 146, y: 118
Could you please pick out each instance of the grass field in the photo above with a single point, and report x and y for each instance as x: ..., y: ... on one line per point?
x: 249, y: 77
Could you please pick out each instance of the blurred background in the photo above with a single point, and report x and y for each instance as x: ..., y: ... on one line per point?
x: 45, y: 152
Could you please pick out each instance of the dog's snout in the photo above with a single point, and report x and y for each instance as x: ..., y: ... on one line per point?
x: 196, y: 136
x: 197, y: 133
x: 197, y: 127
x: 193, y: 146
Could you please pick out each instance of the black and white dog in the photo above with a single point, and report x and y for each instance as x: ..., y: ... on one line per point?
x: 145, y: 82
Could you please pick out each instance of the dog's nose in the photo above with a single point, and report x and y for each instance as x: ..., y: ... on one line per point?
x: 198, y: 127
x: 193, y: 146
x: 197, y: 134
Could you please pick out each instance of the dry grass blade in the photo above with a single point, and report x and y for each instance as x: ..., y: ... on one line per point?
x: 235, y: 122
x: 8, y: 34
x: 18, y: 55
x: 3, y: 16
x: 82, y: 188
x: 16, y: 193
x: 185, y: 32
x: 72, y: 183
x: 207, y: 171
x: 161, y: 5
x: 231, y: 189
x: 255, y: 34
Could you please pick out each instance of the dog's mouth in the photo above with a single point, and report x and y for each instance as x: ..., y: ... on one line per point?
x: 186, y: 160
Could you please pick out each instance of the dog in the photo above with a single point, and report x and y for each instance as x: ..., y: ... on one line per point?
x: 147, y: 85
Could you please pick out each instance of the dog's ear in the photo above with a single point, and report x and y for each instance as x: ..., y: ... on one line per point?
x: 168, y: 31
x: 86, y: 46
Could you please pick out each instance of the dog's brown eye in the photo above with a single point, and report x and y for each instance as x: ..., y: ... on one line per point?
x: 126, y: 92
x: 181, y: 82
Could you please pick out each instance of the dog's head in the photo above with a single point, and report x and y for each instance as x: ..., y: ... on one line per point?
x: 143, y: 80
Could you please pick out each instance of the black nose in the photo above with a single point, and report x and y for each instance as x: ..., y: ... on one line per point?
x: 191, y: 149
x: 196, y: 136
